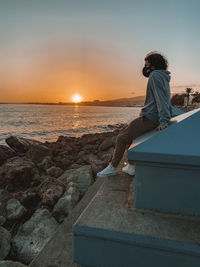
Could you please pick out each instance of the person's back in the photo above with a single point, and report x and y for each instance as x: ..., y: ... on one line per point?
x: 157, y: 106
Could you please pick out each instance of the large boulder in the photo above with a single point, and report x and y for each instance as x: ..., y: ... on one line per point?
x: 5, y: 153
x: 50, y: 190
x: 5, y: 238
x: 17, y: 170
x: 14, y: 209
x: 33, y: 235
x: 66, y: 203
x: 33, y: 149
x: 82, y: 176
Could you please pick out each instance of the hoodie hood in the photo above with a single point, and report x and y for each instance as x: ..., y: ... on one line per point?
x: 162, y: 74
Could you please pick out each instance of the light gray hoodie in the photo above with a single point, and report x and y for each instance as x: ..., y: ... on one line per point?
x: 157, y: 106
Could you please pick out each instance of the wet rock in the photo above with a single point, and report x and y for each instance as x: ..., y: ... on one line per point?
x: 11, y: 264
x: 107, y: 143
x: 82, y: 176
x: 5, y: 238
x: 54, y: 171
x: 33, y: 235
x: 17, y: 170
x: 14, y: 209
x: 5, y: 153
x: 50, y: 191
x: 66, y: 203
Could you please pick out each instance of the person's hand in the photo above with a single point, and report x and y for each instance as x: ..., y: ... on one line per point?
x: 161, y: 127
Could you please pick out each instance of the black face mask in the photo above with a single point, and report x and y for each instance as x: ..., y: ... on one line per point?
x: 146, y: 71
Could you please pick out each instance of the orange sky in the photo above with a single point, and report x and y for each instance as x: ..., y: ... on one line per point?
x: 54, y: 72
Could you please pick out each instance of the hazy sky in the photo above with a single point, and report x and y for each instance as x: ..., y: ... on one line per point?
x: 52, y: 49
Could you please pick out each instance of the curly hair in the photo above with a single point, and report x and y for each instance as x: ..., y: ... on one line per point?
x: 157, y: 60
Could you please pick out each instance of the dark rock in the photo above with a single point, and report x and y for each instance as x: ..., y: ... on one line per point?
x: 75, y: 166
x: 54, y: 171
x: 34, y: 149
x: 17, y: 171
x: 50, y: 191
x: 81, y: 154
x: 18, y: 144
x: 28, y: 198
x: 2, y: 220
x: 60, y: 162
x: 66, y: 203
x: 82, y: 176
x: 97, y: 168
x: 37, y: 153
x: 46, y: 163
x: 5, y: 153
x: 106, y: 158
x: 5, y: 238
x: 89, y: 139
x: 14, y: 209
x: 33, y: 235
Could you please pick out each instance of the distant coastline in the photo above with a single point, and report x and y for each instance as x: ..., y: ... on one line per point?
x: 122, y: 102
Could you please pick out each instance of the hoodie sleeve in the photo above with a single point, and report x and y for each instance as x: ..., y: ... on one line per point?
x: 160, y: 94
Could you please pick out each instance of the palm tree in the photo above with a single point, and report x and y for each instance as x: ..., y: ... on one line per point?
x: 188, y: 92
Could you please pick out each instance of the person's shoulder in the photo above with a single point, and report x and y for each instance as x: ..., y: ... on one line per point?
x: 154, y: 75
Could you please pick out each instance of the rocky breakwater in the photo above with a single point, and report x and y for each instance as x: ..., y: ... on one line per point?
x: 40, y: 183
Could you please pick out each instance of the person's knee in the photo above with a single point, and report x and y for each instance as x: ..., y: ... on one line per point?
x: 122, y: 139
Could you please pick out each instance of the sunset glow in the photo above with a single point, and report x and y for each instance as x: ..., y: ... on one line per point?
x: 77, y: 98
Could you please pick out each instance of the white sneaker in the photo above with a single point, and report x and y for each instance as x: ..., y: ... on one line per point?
x: 130, y: 169
x: 108, y: 171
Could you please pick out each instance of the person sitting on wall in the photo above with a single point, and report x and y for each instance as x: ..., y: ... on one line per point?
x: 155, y: 114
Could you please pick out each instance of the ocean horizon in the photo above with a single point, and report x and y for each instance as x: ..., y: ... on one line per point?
x: 47, y: 122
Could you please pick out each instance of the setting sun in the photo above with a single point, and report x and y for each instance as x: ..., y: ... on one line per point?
x: 77, y: 98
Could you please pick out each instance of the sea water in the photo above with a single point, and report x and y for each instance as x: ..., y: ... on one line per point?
x: 47, y: 122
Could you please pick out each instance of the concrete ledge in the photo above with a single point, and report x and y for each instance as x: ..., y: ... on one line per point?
x: 110, y: 233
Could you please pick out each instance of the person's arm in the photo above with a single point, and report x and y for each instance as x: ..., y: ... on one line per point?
x: 161, y: 101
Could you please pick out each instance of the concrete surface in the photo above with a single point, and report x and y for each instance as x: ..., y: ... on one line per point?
x: 111, y: 233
